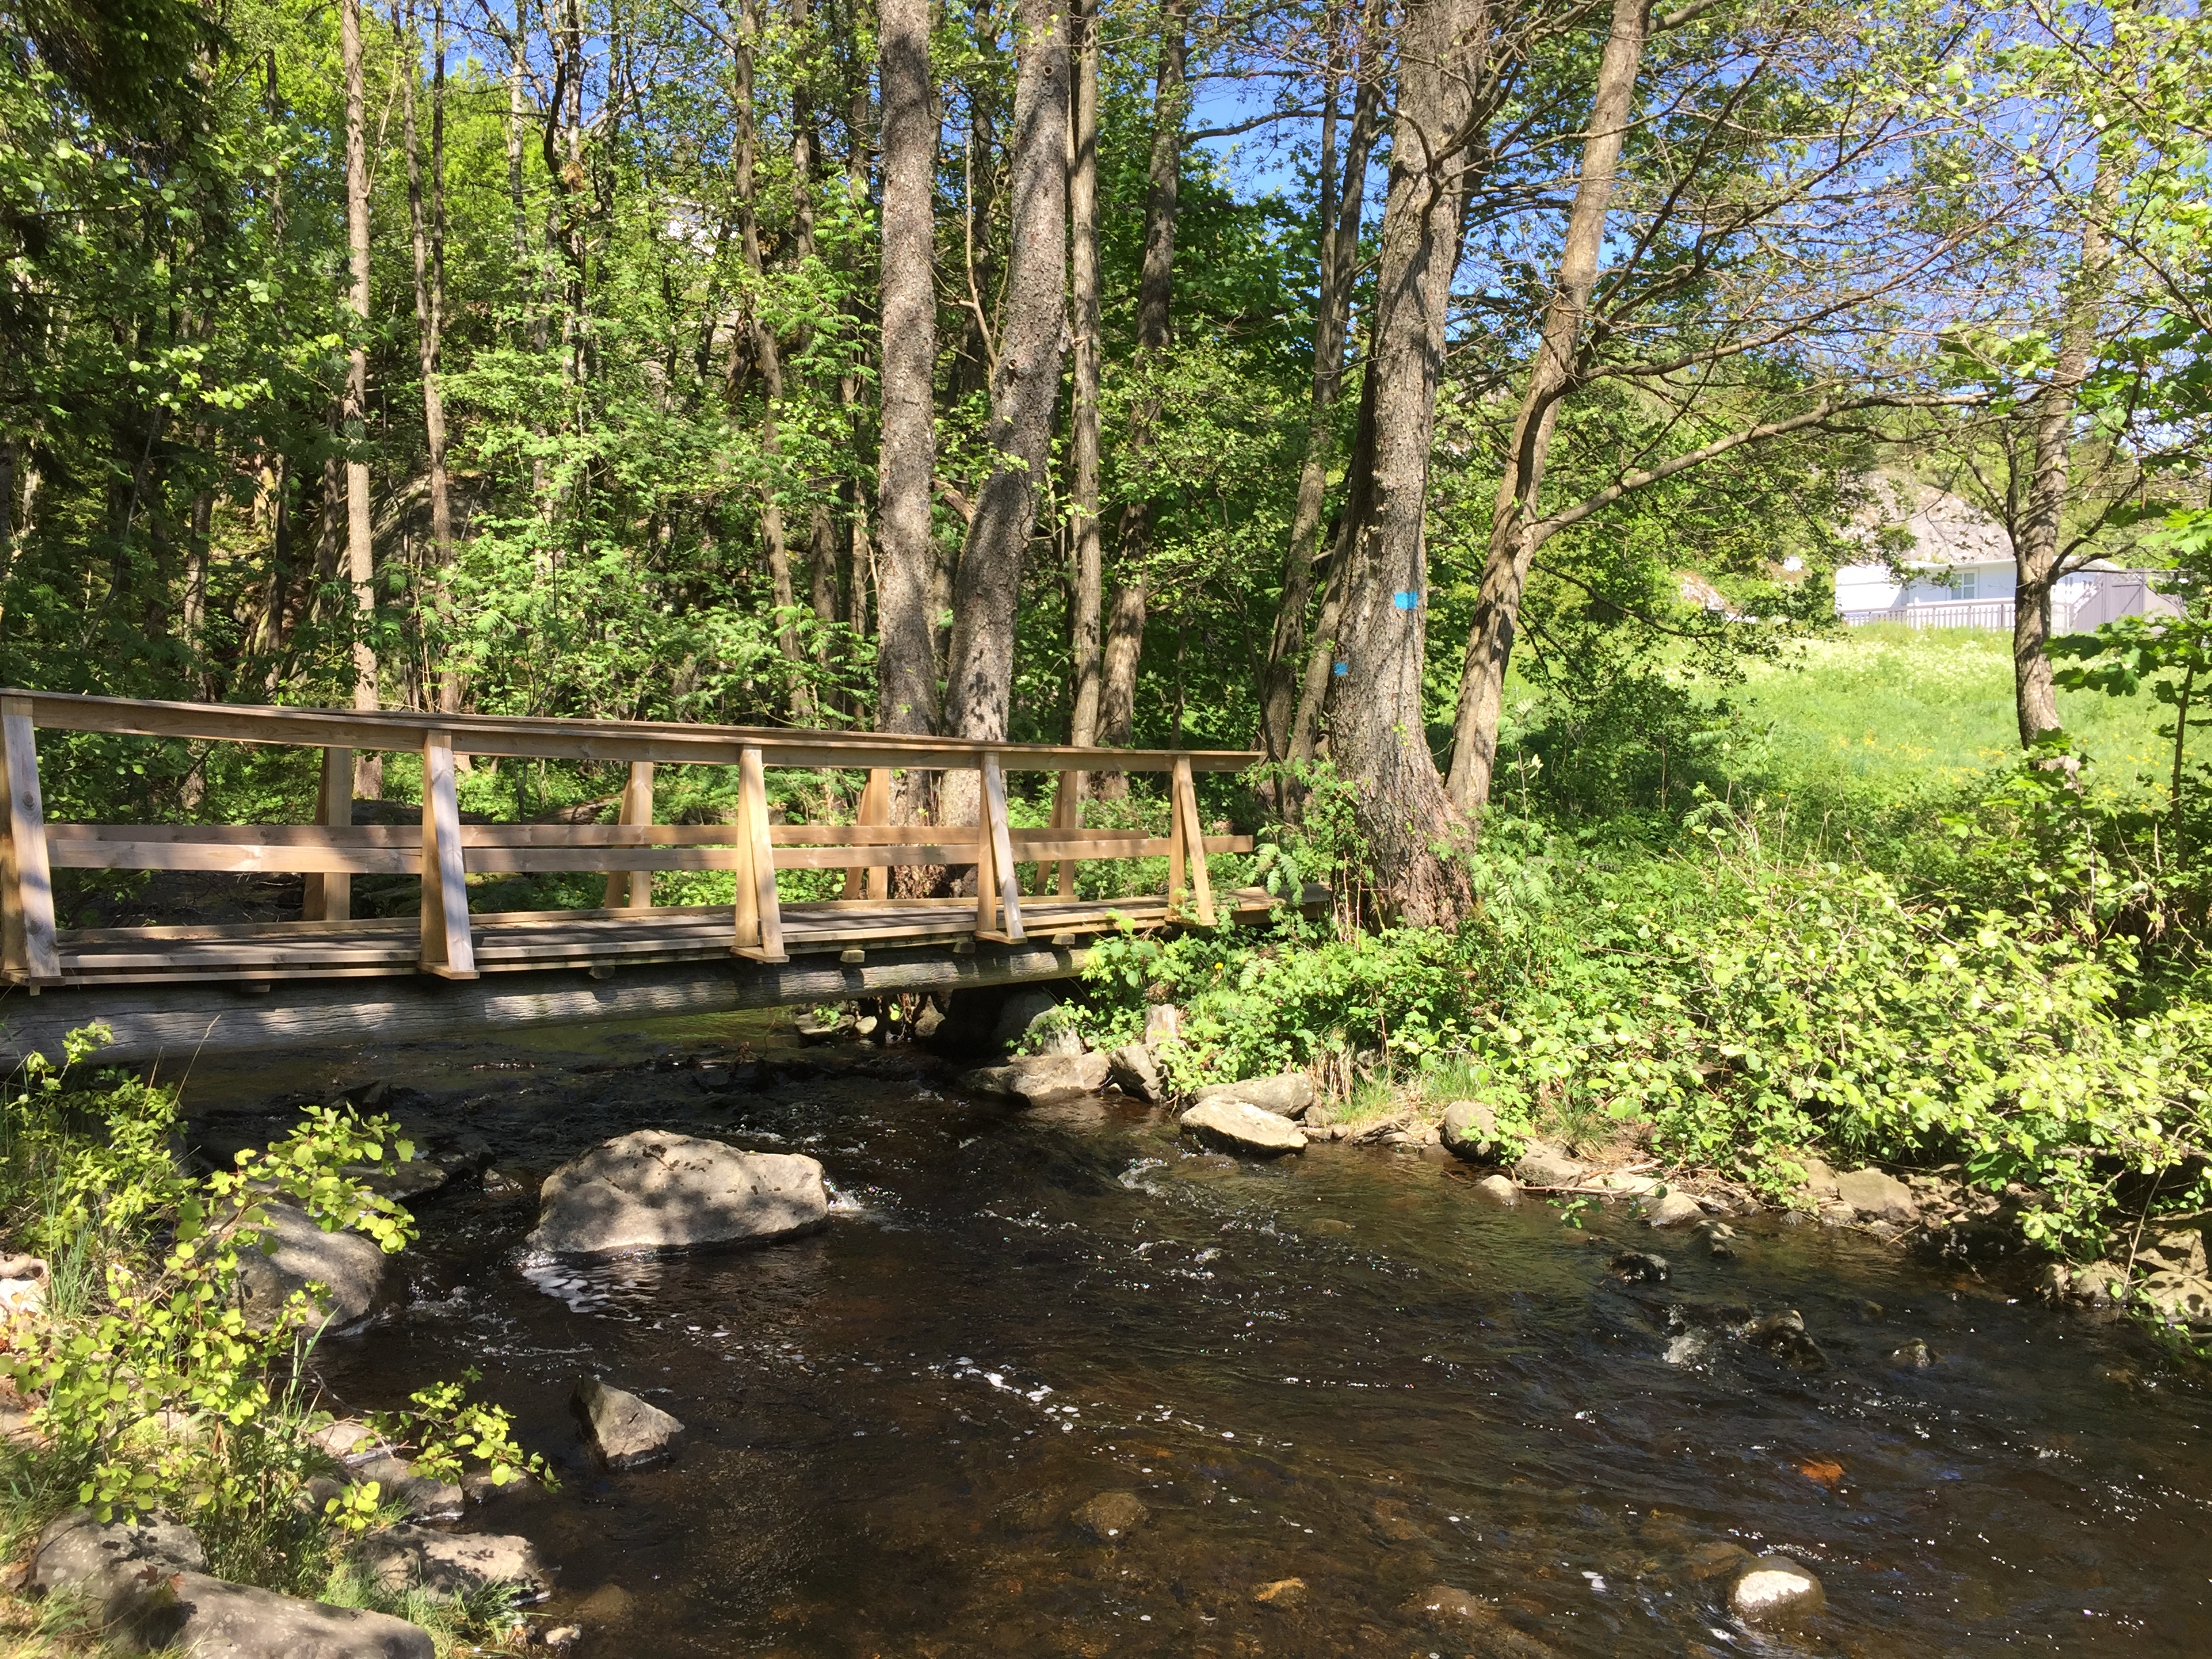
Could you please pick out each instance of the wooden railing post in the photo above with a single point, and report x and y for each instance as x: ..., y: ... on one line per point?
x: 759, y: 913
x: 875, y: 811
x: 994, y: 858
x: 1067, y: 814
x: 28, y: 952
x: 447, y: 949
x: 1190, y: 841
x: 329, y: 895
x: 633, y: 889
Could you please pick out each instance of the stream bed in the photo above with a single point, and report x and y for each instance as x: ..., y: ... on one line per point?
x: 1344, y: 1369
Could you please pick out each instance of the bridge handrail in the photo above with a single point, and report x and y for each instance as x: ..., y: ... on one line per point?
x: 444, y: 851
x: 554, y: 738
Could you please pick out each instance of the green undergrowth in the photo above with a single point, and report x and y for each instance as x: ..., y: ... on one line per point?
x: 149, y: 1387
x: 1732, y: 1010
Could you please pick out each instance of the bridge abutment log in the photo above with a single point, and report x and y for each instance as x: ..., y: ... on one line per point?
x: 152, y: 1023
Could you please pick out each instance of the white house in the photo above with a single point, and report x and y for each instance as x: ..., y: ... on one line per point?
x: 1959, y: 573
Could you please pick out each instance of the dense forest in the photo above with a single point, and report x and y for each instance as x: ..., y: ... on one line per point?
x: 1355, y: 382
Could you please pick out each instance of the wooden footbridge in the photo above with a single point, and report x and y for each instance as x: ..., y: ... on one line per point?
x: 330, y: 976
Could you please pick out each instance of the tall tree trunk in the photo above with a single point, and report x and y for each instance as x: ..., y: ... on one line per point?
x: 1377, y: 732
x: 1125, y: 623
x: 1280, y: 733
x: 768, y: 353
x: 987, y: 588
x: 805, y: 158
x: 906, y: 663
x: 428, y: 230
x: 1087, y: 573
x: 971, y: 362
x: 1513, y: 525
x: 368, y: 767
x: 2038, y: 550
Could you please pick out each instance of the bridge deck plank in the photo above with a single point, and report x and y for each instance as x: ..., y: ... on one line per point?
x: 519, y: 940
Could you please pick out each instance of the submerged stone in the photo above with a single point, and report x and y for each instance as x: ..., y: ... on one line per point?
x: 1774, y: 1589
x: 1111, y: 1515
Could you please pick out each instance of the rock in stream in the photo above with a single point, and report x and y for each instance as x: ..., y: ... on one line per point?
x: 651, y: 1190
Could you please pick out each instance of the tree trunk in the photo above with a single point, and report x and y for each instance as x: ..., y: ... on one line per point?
x: 766, y: 353
x: 987, y: 588
x: 428, y: 230
x: 1125, y: 624
x: 1378, y: 730
x: 906, y: 663
x: 2038, y: 551
x: 368, y: 767
x: 1513, y: 526
x: 1087, y: 566
x: 971, y: 362
x: 1287, y: 653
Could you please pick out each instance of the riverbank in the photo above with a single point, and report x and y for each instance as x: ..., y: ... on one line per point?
x: 879, y: 1450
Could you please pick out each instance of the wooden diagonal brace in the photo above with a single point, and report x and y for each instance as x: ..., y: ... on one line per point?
x: 447, y: 949
x: 28, y: 952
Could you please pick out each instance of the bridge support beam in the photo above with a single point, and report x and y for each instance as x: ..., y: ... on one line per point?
x: 172, y: 1023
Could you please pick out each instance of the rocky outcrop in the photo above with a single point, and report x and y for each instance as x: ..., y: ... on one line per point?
x: 626, y: 1430
x: 296, y: 1253
x: 1288, y: 1094
x: 1672, y: 1210
x: 1544, y: 1165
x: 212, y: 1619
x: 1775, y: 1590
x: 421, y: 1497
x: 1470, y: 1130
x: 454, y: 1564
x: 1021, y: 1009
x: 652, y: 1190
x: 1041, y: 1079
x: 1132, y: 1069
x: 1244, y: 1128
x: 1877, y: 1196
x: 148, y: 1581
x: 114, y: 1566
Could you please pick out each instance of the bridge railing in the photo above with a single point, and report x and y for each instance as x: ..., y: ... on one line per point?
x: 444, y: 851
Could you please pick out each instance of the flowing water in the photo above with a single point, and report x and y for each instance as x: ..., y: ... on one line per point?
x: 1345, y: 1369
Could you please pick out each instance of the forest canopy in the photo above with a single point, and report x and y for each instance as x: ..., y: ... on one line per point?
x: 1297, y: 378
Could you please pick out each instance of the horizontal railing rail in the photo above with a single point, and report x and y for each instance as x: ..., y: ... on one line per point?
x: 444, y: 851
x: 525, y: 737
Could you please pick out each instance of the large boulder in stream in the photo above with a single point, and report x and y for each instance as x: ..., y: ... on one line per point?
x: 652, y: 1190
x: 1288, y: 1094
x: 627, y: 1430
x: 1244, y: 1128
x: 1776, y: 1591
x: 1041, y: 1079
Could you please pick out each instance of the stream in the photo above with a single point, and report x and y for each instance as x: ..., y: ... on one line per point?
x: 1344, y: 1369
